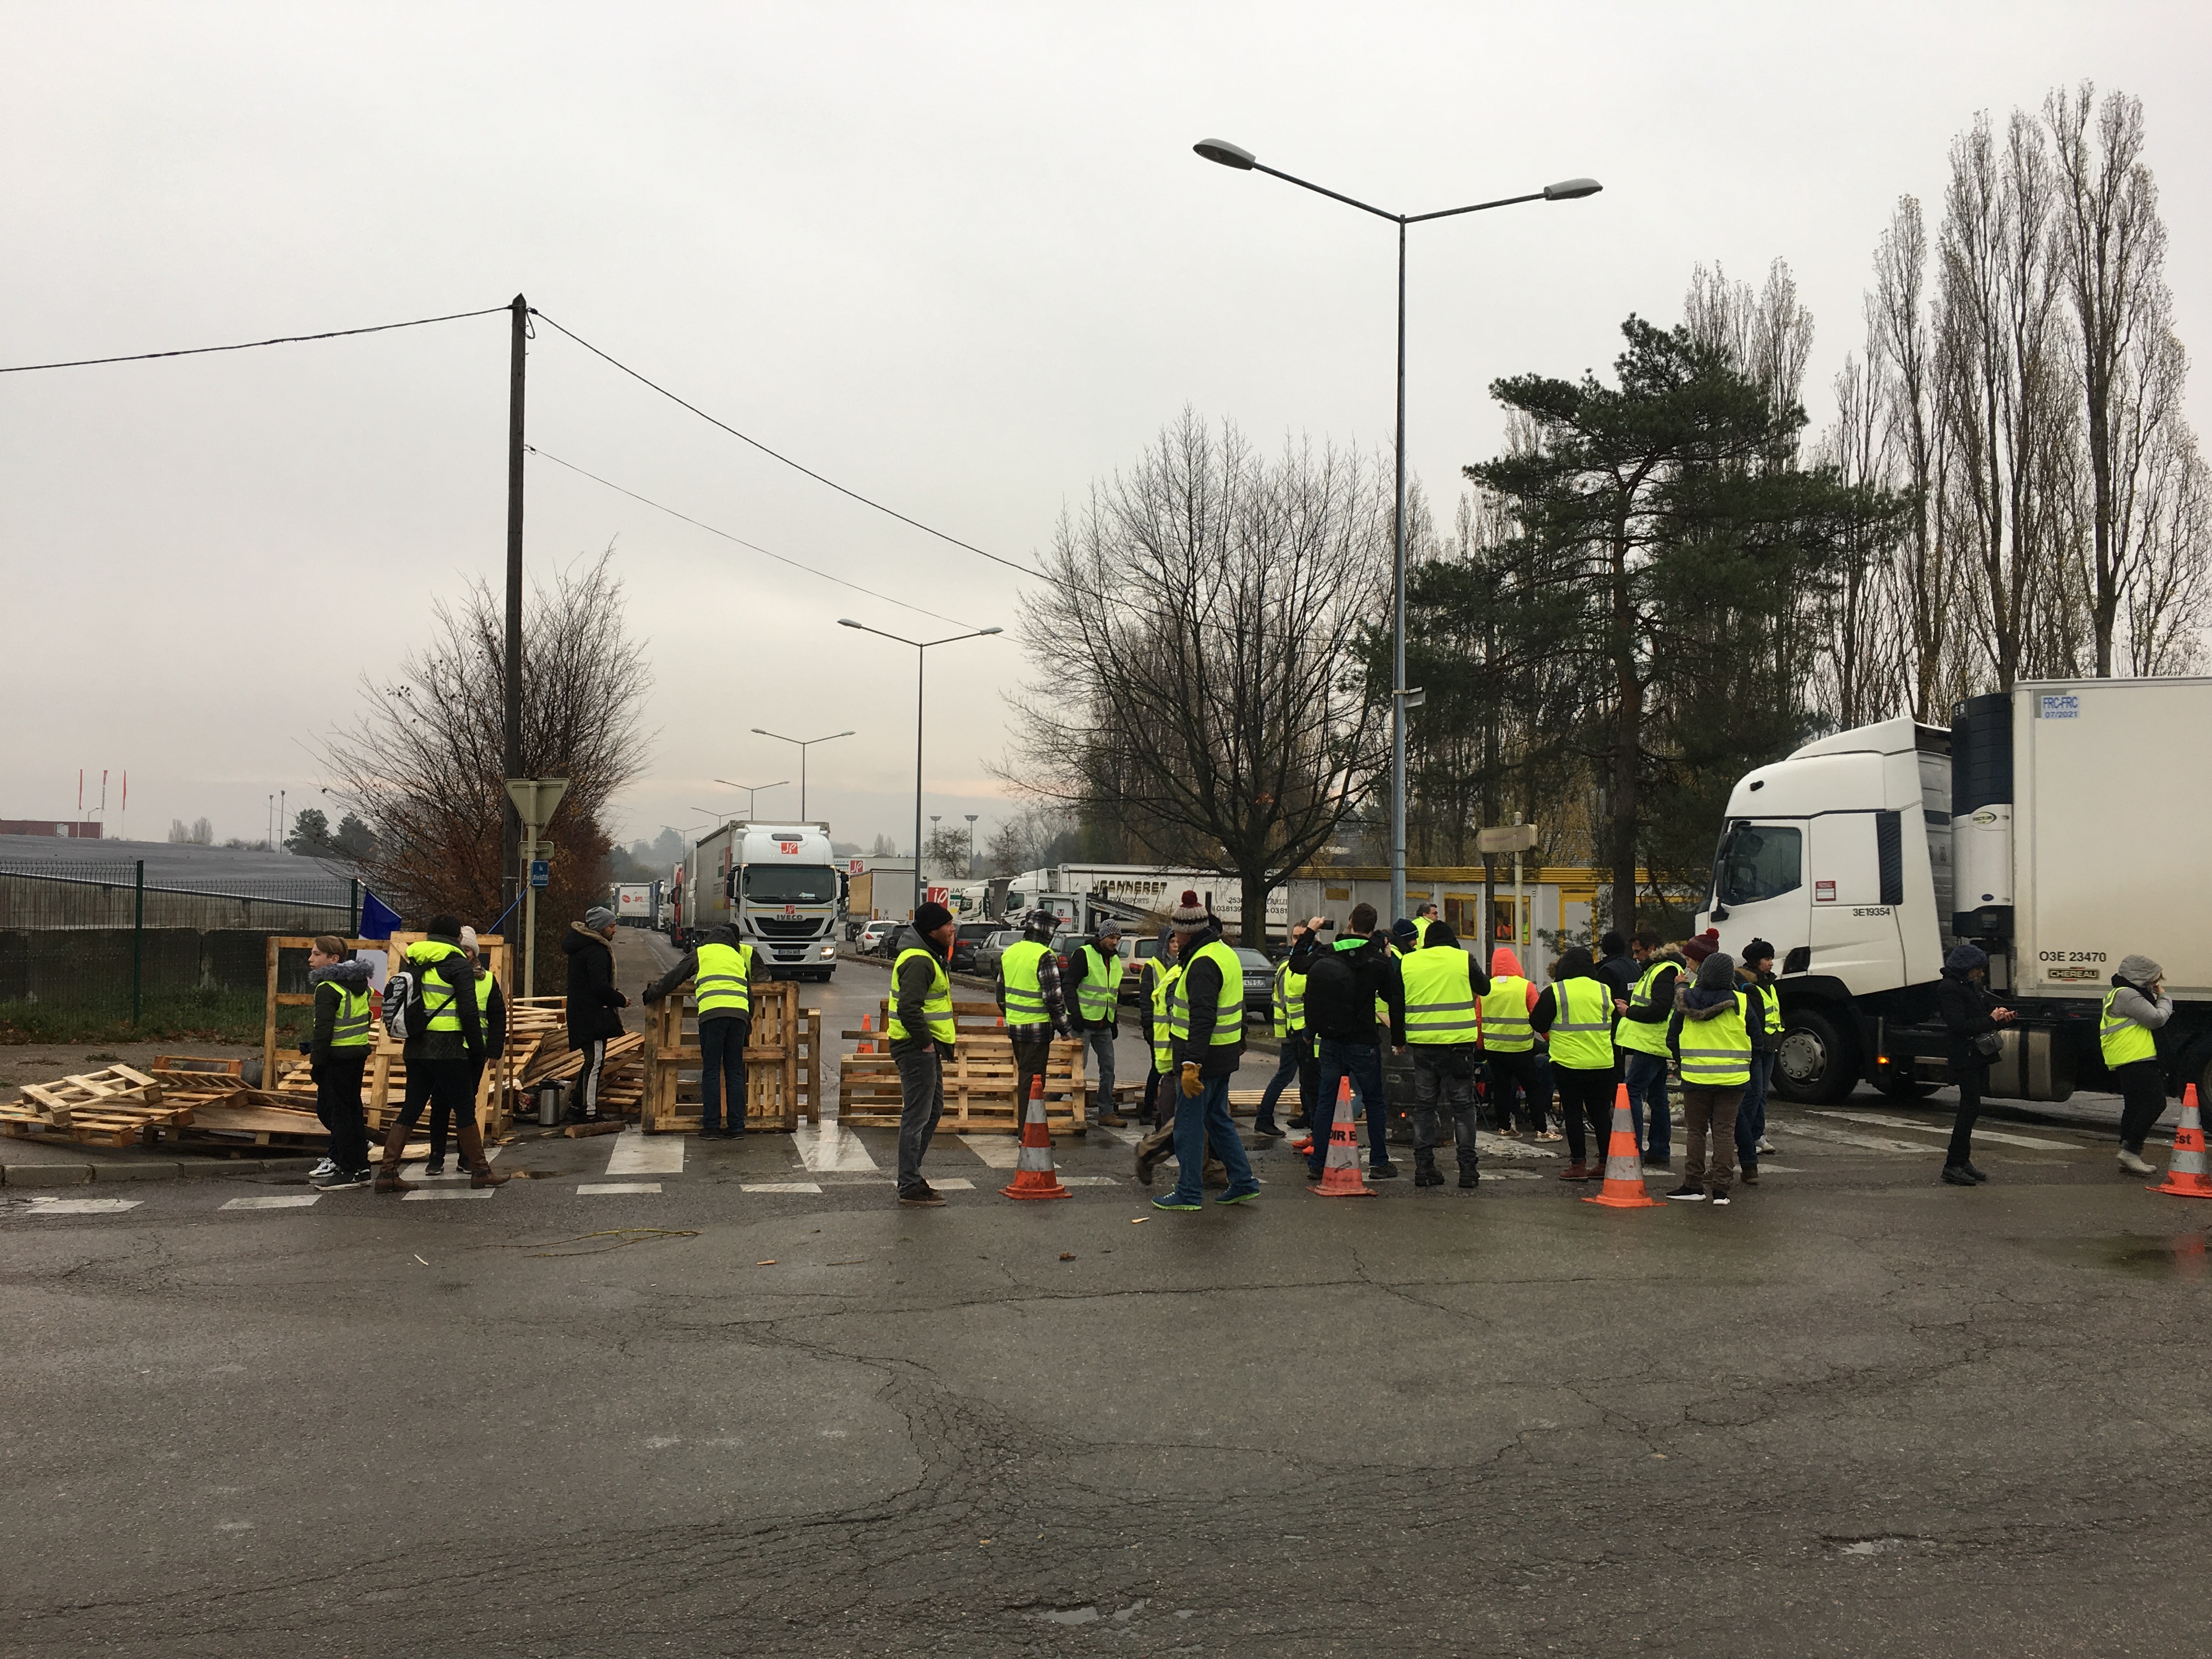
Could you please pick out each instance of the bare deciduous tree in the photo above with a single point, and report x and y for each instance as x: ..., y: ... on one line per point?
x: 1198, y: 653
x: 423, y: 764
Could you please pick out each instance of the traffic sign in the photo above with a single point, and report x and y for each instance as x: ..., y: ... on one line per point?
x: 541, y: 873
x: 1506, y: 838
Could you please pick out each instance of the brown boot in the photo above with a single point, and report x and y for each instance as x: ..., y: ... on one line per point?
x: 1575, y: 1172
x: 481, y: 1174
x: 387, y: 1172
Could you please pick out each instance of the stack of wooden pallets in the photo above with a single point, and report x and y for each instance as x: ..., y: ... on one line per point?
x: 782, y: 1064
x: 978, y: 1080
x: 116, y: 1106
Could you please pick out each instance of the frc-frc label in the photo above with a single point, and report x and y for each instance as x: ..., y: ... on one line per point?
x: 2063, y: 706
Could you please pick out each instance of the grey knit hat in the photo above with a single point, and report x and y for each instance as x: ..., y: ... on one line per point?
x: 2141, y: 970
x: 598, y: 917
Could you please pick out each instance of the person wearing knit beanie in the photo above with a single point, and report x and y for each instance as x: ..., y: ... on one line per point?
x: 1189, y: 916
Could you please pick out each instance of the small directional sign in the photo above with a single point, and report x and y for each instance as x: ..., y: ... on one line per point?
x: 541, y: 873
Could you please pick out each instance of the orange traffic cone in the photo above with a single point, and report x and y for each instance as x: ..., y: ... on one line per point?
x: 1034, y: 1176
x: 866, y: 1046
x: 1624, y: 1168
x: 2187, y: 1176
x: 1340, y: 1176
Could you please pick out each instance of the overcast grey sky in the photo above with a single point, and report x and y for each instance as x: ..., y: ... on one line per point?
x: 958, y: 257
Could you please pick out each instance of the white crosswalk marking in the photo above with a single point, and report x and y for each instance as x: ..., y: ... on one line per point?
x: 827, y: 1146
x: 778, y: 1186
x: 953, y: 1184
x: 1882, y: 1120
x: 593, y: 1188
x: 1090, y: 1180
x: 636, y: 1153
x: 273, y: 1202
x: 81, y: 1206
x: 1865, y: 1143
x: 450, y: 1192
x: 999, y: 1152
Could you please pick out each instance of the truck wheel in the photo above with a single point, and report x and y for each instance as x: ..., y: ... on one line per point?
x: 1817, y: 1062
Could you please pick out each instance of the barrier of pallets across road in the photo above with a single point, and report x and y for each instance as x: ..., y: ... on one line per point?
x: 980, y: 1079
x: 783, y: 1068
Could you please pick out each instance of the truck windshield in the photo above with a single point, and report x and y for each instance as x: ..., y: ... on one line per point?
x: 791, y: 884
x: 1758, y: 862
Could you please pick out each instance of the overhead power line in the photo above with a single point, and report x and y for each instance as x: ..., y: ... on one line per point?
x: 660, y: 506
x: 854, y: 494
x: 249, y: 345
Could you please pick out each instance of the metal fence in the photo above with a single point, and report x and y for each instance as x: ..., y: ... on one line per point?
x: 88, y: 945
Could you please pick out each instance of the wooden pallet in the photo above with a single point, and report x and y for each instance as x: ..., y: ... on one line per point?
x: 248, y: 1118
x: 783, y: 1062
x: 979, y: 1089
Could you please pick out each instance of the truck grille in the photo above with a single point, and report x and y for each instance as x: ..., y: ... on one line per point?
x: 790, y: 926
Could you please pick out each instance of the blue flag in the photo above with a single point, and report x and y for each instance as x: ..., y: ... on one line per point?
x: 378, y: 918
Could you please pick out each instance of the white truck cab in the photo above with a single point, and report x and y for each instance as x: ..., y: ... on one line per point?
x: 782, y: 886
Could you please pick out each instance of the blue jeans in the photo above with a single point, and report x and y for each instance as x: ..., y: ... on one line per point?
x: 1296, y: 1061
x: 1363, y: 1063
x: 1200, y: 1119
x: 1646, y: 1077
x: 1751, y: 1116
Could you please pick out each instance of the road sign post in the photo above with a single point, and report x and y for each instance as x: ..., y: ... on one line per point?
x: 534, y: 801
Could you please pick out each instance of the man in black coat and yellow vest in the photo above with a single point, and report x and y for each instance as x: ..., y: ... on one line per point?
x: 1206, y: 1029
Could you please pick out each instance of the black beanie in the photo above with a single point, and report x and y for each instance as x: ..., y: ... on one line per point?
x: 930, y: 917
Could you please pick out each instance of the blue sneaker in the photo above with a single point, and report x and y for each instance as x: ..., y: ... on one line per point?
x: 1172, y: 1201
x: 1232, y: 1196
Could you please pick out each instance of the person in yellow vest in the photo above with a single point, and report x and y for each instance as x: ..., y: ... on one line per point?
x: 439, y: 1052
x: 1755, y: 979
x: 1030, y: 999
x: 1295, y: 1057
x: 722, y: 971
x: 1206, y: 1030
x: 1444, y: 990
x: 2127, y: 1037
x: 491, y: 1010
x: 1713, y: 1032
x: 337, y: 1052
x: 920, y: 1027
x: 1424, y: 917
x: 1160, y: 969
x: 1517, y: 1075
x: 1642, y: 1039
x: 1574, y: 1014
x: 1094, y: 985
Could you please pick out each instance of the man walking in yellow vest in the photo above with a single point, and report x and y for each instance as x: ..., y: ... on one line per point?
x: 722, y: 970
x: 1031, y: 1000
x: 1206, y: 1025
x: 921, y: 1029
x: 2127, y: 1038
x: 1094, y: 974
x: 338, y: 1053
x: 1443, y: 989
x: 1575, y: 1013
x: 1715, y: 1028
x: 1296, y: 1059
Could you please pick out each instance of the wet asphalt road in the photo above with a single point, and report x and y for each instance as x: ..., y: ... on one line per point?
x: 1857, y: 1413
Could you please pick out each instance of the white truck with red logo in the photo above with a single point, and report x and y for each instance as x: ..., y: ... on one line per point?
x: 778, y: 882
x: 2061, y: 826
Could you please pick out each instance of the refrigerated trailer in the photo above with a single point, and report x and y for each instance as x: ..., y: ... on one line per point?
x: 2059, y: 825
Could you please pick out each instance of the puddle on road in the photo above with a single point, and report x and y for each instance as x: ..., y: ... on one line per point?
x: 2181, y: 1255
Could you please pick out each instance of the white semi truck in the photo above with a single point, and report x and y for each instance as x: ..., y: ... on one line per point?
x: 2060, y: 825
x: 778, y: 882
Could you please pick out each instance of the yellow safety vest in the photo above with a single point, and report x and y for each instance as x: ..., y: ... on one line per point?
x: 1505, y: 1028
x: 1164, y: 975
x: 1581, y: 1038
x: 1421, y: 925
x: 1100, y: 992
x: 721, y: 986
x: 1228, y: 1013
x: 349, y: 1029
x: 1644, y: 1036
x: 1722, y: 1057
x: 440, y: 998
x: 1440, y: 1004
x: 1017, y: 967
x: 1290, y: 1000
x: 936, y: 1008
x: 1769, y: 998
x: 2123, y: 1040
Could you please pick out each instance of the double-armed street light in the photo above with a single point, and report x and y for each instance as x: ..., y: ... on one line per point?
x: 753, y: 789
x: 1227, y: 154
x: 921, y: 649
x: 804, y: 746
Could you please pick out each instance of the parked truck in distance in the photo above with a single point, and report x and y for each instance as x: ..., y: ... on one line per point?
x: 2058, y: 825
x: 779, y: 884
x: 635, y: 904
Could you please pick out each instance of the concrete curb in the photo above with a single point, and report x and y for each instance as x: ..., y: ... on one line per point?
x: 79, y: 1175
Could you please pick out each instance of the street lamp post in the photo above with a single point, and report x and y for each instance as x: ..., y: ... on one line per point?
x: 1235, y: 155
x: 753, y: 789
x: 921, y: 649
x: 803, y: 747
x: 971, y: 817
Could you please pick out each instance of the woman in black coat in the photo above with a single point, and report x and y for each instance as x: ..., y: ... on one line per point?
x: 1969, y: 1010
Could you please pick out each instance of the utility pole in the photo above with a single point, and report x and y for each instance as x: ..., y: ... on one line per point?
x: 511, y: 723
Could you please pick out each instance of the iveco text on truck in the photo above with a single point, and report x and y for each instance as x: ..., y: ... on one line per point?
x: 779, y: 884
x: 2060, y: 825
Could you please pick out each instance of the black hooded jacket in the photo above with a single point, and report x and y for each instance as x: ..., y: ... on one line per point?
x: 593, y: 1003
x: 1341, y: 988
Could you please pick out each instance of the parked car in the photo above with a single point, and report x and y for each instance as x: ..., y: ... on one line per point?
x: 1259, y: 985
x: 992, y: 947
x: 967, y: 937
x: 1135, y: 953
x: 874, y: 935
